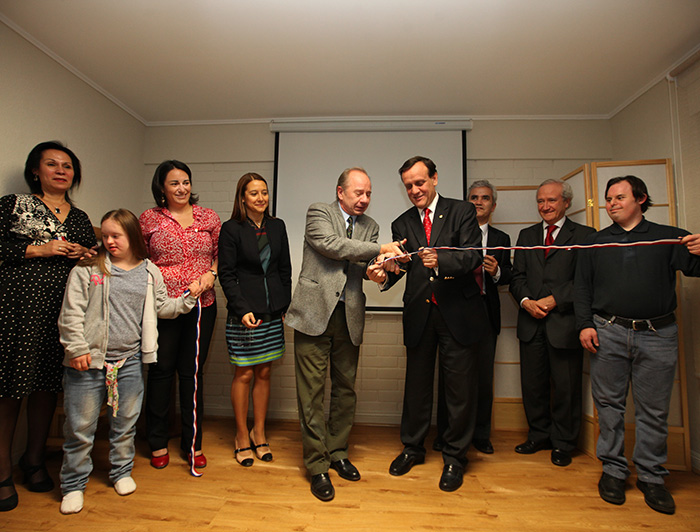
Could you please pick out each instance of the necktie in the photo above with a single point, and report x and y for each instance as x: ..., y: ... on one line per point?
x: 427, y: 225
x: 549, y: 239
x: 479, y: 270
x: 479, y: 276
x: 349, y: 229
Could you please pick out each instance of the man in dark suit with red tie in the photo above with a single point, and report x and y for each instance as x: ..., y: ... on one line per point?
x: 442, y: 307
x: 495, y: 271
x: 551, y: 357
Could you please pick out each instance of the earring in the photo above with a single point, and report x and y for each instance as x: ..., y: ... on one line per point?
x: 162, y: 198
x: 36, y: 177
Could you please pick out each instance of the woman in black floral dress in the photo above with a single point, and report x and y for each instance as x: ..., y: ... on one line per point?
x: 42, y: 235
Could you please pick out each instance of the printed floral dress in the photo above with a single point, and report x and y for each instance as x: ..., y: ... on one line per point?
x: 31, y: 293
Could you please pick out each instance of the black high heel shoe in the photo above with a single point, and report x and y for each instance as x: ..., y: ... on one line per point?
x: 262, y: 454
x: 8, y: 503
x: 40, y: 485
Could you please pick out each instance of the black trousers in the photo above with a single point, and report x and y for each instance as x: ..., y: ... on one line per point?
x: 551, y: 381
x: 457, y: 363
x: 486, y: 349
x: 176, y: 353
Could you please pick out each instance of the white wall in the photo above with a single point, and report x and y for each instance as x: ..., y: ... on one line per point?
x: 39, y: 101
x: 505, y: 152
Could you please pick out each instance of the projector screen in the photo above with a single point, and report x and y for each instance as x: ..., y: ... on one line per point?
x: 308, y: 166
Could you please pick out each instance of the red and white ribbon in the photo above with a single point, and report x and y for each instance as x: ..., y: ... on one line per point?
x: 553, y: 247
x: 193, y: 471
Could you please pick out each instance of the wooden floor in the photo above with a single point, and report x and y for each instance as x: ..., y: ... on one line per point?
x: 503, y: 492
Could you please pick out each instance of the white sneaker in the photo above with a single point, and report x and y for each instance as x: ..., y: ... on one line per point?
x: 125, y: 486
x: 72, y: 502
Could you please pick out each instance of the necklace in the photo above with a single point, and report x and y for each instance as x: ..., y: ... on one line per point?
x: 56, y: 208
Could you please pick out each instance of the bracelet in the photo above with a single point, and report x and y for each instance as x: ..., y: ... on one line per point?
x: 216, y: 275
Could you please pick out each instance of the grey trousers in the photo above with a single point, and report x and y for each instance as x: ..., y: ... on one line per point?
x: 325, y: 441
x: 647, y: 359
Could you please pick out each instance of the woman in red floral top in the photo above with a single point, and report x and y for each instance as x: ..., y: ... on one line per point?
x: 182, y: 240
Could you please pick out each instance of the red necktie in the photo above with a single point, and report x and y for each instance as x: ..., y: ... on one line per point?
x: 479, y: 276
x: 549, y: 239
x: 428, y: 227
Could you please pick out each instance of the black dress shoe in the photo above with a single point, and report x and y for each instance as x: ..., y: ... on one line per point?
x: 561, y: 457
x: 403, y: 463
x: 451, y: 478
x: 438, y: 445
x: 322, y: 488
x: 9, y: 502
x: 531, y: 447
x: 657, y: 497
x: 345, y: 469
x: 36, y: 476
x: 483, y: 446
x: 611, y: 489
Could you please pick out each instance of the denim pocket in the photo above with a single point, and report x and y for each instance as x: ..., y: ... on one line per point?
x: 667, y: 332
x: 600, y: 322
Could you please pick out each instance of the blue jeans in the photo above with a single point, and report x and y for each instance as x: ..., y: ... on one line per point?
x: 648, y: 360
x: 84, y: 392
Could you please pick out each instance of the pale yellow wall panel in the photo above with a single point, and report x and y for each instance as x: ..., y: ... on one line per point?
x: 507, y: 381
x: 508, y: 347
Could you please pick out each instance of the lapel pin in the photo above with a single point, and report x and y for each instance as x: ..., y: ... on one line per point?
x: 440, y: 216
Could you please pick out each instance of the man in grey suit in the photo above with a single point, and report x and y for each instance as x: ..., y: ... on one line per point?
x: 328, y: 315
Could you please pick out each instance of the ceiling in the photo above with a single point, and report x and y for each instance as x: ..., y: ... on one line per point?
x: 180, y: 61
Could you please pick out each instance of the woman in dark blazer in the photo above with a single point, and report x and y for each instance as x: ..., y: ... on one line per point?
x: 255, y: 272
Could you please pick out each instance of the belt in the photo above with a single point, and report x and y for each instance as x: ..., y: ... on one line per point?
x: 641, y: 325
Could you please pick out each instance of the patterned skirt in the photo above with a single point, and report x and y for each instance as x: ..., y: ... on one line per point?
x: 249, y: 347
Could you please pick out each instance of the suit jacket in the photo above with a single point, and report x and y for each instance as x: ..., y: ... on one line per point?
x: 331, y: 262
x: 241, y: 273
x: 497, y: 237
x: 455, y: 289
x: 536, y: 277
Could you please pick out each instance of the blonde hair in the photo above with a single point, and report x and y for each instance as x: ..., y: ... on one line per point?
x: 128, y: 221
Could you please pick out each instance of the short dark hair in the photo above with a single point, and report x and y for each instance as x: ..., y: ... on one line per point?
x: 430, y: 165
x: 159, y: 176
x: 239, y: 211
x: 639, y: 189
x: 34, y: 159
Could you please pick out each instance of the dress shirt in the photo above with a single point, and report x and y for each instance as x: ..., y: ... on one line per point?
x: 484, y: 243
x: 346, y: 216
x: 182, y: 254
x: 432, y: 206
x: 555, y: 233
x: 559, y: 224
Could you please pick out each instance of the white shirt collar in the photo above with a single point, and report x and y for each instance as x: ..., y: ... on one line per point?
x: 432, y: 206
x: 559, y: 224
x: 345, y: 214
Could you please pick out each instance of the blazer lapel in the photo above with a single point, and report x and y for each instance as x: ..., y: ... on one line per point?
x: 439, y: 217
x: 340, y: 219
x: 417, y: 227
x: 537, y: 240
x: 565, y: 234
